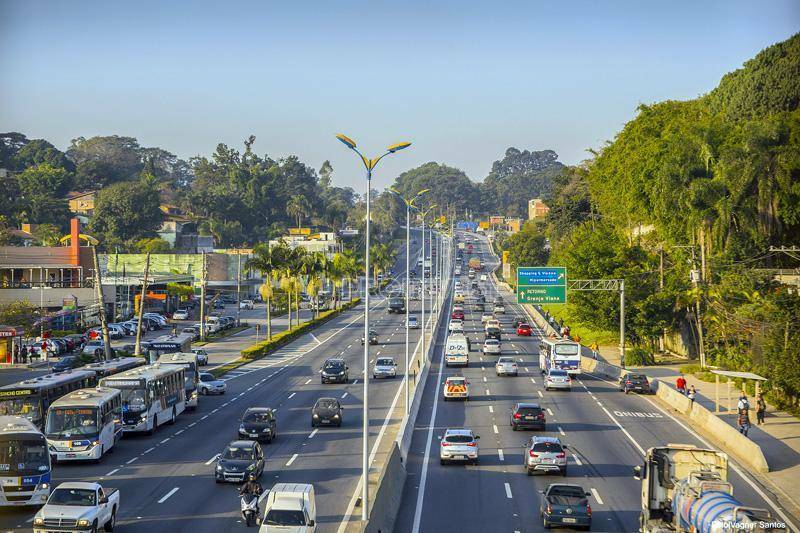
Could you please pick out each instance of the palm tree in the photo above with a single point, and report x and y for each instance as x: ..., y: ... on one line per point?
x: 297, y: 207
x: 266, y: 262
x: 283, y: 259
x: 311, y: 268
x: 382, y: 256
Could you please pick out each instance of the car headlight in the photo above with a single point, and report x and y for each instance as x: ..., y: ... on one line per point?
x: 336, y: 416
x: 316, y: 415
x: 251, y: 467
x: 219, y: 468
x: 83, y: 522
x: 38, y: 521
x: 265, y: 430
x: 44, y: 485
x: 341, y: 373
x: 144, y: 416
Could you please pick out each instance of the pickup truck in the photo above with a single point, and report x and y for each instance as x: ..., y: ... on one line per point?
x: 78, y: 506
x: 565, y: 505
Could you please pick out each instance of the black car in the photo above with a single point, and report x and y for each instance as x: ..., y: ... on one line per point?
x: 258, y: 423
x: 412, y: 273
x: 634, y: 383
x: 66, y: 363
x: 239, y: 460
x: 528, y: 416
x: 519, y: 320
x: 326, y: 412
x: 493, y: 333
x: 373, y: 337
x: 219, y: 304
x: 334, y: 371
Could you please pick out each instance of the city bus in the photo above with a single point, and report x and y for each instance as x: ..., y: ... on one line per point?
x: 559, y: 353
x: 114, y: 366
x: 191, y: 375
x: 24, y: 463
x: 84, y: 424
x: 151, y: 395
x: 32, y: 397
x: 182, y: 342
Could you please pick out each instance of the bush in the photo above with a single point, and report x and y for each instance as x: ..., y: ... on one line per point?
x: 638, y: 357
x: 690, y: 369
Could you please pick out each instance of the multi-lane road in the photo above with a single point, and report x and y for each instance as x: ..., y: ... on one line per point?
x: 607, y: 433
x: 166, y: 480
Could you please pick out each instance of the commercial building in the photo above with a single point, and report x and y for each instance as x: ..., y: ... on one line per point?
x: 537, y: 209
x: 324, y: 242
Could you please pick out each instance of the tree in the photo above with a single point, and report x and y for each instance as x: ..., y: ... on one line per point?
x: 47, y: 234
x: 154, y: 245
x: 518, y: 177
x: 447, y: 186
x: 267, y: 264
x: 124, y: 212
x: 298, y: 207
x: 44, y: 180
x: 19, y: 313
x: 102, y: 161
x: 528, y: 247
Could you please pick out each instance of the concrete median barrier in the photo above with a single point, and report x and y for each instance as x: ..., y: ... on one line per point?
x: 389, y: 492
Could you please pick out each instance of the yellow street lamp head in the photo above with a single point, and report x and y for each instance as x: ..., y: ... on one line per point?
x: 423, y: 191
x: 392, y: 189
x: 350, y: 143
x: 396, y: 147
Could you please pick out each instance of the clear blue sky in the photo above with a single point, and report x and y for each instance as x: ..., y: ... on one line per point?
x: 462, y: 80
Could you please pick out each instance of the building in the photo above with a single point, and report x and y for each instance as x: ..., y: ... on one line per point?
x: 496, y: 220
x: 537, y: 209
x: 513, y: 225
x: 82, y: 202
x: 324, y: 242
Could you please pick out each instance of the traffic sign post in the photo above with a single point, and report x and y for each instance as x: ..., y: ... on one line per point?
x: 541, y: 285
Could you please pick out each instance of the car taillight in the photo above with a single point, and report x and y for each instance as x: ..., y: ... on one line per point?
x: 473, y: 444
x: 445, y: 443
x: 560, y: 455
x: 589, y: 510
x: 628, y: 382
x: 517, y: 416
x: 530, y: 452
x: 541, y: 416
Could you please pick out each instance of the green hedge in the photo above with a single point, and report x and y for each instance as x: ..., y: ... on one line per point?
x: 265, y: 347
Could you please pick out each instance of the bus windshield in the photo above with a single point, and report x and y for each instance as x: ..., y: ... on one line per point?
x: 132, y: 399
x: 23, y: 457
x: 28, y: 406
x: 566, y: 349
x: 71, y: 423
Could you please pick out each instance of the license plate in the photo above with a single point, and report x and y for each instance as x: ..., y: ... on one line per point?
x: 528, y: 418
x: 458, y: 457
x: 326, y: 421
x: 568, y: 520
x: 254, y: 434
x: 71, y: 455
x: 547, y: 461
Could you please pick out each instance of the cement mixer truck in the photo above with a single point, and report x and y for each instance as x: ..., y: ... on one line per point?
x: 685, y: 489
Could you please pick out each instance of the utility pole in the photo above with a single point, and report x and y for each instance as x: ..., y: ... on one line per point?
x: 238, y: 288
x: 138, y: 346
x: 663, y: 340
x: 98, y: 285
x: 203, y: 281
x: 622, y: 323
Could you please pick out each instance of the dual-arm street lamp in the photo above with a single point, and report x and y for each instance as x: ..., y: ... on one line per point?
x: 424, y: 214
x: 370, y: 165
x: 409, y: 202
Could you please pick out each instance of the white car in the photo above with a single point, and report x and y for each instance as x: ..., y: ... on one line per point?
x: 492, y: 347
x: 506, y: 366
x: 499, y: 309
x: 492, y: 323
x: 484, y: 277
x: 458, y: 444
x: 84, y: 505
x: 557, y: 379
x: 456, y: 326
x: 413, y: 322
x: 210, y: 384
x: 486, y: 317
x: 385, y: 367
x: 181, y: 314
x: 246, y: 304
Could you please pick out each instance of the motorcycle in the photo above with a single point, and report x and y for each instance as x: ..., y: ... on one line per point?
x: 249, y: 505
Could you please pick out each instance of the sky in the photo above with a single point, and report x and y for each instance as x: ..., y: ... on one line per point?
x: 461, y: 80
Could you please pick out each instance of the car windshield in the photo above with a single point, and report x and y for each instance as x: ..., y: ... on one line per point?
x: 456, y: 381
x: 77, y: 497
x: 547, y: 447
x: 525, y: 411
x: 637, y: 377
x: 200, y: 352
x: 505, y: 360
x: 459, y: 438
x: 285, y: 517
x: 385, y: 362
x: 334, y: 365
x: 327, y: 404
x: 207, y: 378
x: 493, y: 342
x: 238, y: 454
x: 72, y: 422
x: 524, y: 326
x: 565, y: 490
x: 257, y: 416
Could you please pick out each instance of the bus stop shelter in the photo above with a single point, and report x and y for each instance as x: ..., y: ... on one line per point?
x: 10, y: 343
x: 744, y: 376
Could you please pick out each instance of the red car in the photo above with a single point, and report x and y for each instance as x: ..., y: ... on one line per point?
x: 524, y: 329
x: 457, y: 315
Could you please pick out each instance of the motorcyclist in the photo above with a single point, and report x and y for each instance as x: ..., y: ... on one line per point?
x: 252, y: 487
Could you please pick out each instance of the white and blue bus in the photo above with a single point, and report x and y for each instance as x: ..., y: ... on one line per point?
x: 560, y: 353
x: 151, y: 396
x: 84, y: 425
x: 24, y: 463
x: 114, y: 366
x: 191, y: 374
x: 32, y: 397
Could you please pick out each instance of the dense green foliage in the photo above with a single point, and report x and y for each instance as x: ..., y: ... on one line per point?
x: 518, y: 177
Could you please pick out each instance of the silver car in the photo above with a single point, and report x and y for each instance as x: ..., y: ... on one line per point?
x: 413, y: 322
x: 545, y: 454
x: 210, y: 384
x: 557, y: 379
x: 458, y: 444
x: 506, y: 366
x: 385, y: 367
x: 492, y: 347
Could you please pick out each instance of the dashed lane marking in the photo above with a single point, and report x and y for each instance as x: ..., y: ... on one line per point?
x: 167, y: 495
x: 577, y: 461
x: 533, y: 381
x: 309, y: 381
x: 500, y: 454
x: 344, y: 395
x: 311, y: 436
x: 508, y: 491
x: 112, y: 472
x: 130, y: 461
x: 561, y: 431
x: 597, y: 496
x: 491, y: 409
x: 212, y: 460
x: 290, y: 461
x: 549, y: 412
x: 292, y: 395
x: 494, y: 427
x: 540, y: 394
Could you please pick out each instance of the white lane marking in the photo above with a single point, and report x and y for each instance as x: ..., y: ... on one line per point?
x: 494, y: 427
x: 349, y: 346
x: 488, y: 393
x: 577, y: 461
x: 163, y: 441
x: 508, y: 491
x: 315, y: 339
x: 112, y: 472
x: 533, y: 381
x: 167, y: 495
x: 513, y: 345
x: 484, y: 379
x: 344, y: 395
x: 561, y: 431
x: 549, y: 412
x: 355, y: 381
x: 376, y: 353
x: 540, y: 394
x: 311, y: 436
x: 289, y: 463
x: 292, y: 395
x: 491, y: 409
x: 597, y: 496
x: 307, y: 382
x: 192, y: 424
x: 520, y: 359
x: 526, y: 369
x: 204, y: 417
x: 215, y: 410
x: 212, y: 460
x: 500, y: 454
x: 132, y: 460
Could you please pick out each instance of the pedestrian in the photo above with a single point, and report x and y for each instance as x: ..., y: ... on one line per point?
x: 31, y: 353
x: 761, y: 409
x: 743, y: 404
x: 680, y: 384
x: 692, y: 394
x: 594, y: 347
x: 744, y: 421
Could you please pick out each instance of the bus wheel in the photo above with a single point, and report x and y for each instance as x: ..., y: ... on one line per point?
x: 172, y: 420
x: 155, y: 425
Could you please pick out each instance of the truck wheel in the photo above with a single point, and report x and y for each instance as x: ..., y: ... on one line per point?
x: 111, y: 521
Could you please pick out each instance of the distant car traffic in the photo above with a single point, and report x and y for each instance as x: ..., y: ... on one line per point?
x: 413, y: 322
x: 631, y: 382
x: 555, y: 378
x: 373, y: 337
x: 565, y: 505
x: 456, y: 326
x: 506, y: 366
x: 202, y: 356
x: 524, y: 330
x: 492, y: 347
x: 545, y: 454
x: 181, y: 314
x: 385, y: 367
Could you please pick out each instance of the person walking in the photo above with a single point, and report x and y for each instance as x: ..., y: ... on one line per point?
x: 692, y: 394
x: 744, y: 403
x: 761, y: 409
x: 594, y: 347
x: 744, y: 421
x: 680, y: 384
x: 31, y: 353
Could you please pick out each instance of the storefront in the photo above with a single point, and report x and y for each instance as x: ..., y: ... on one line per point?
x: 10, y: 344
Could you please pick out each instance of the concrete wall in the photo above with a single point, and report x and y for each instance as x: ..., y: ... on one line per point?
x: 386, y: 499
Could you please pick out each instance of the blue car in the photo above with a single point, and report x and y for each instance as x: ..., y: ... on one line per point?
x: 565, y: 505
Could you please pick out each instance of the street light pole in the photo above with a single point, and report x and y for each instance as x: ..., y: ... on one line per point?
x: 369, y: 164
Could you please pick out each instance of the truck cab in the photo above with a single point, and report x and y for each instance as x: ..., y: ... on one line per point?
x: 78, y: 506
x: 289, y: 507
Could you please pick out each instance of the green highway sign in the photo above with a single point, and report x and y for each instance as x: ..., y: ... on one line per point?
x: 541, y: 285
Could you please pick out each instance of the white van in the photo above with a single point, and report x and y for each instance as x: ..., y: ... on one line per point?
x: 457, y: 351
x: 289, y: 507
x: 213, y: 324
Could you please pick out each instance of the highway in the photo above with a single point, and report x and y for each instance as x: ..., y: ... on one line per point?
x: 166, y: 480
x: 607, y: 433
